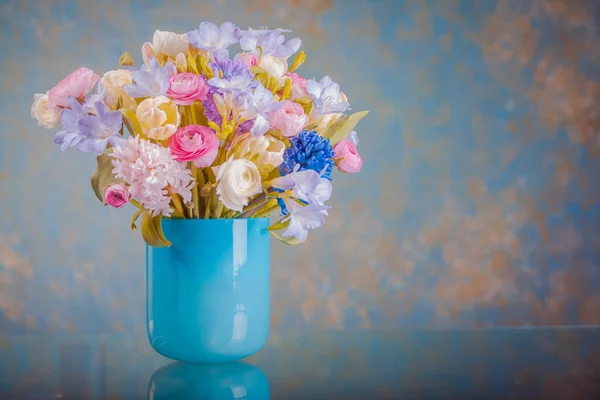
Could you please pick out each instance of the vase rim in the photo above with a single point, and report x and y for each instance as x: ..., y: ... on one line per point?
x: 214, y: 219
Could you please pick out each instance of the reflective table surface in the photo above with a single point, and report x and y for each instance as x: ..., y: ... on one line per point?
x: 537, y: 363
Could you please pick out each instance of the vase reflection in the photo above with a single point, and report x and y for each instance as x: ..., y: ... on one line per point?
x: 208, y: 381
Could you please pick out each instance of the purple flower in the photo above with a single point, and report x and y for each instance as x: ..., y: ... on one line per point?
x: 306, y: 185
x: 70, y: 135
x: 89, y: 105
x: 326, y: 97
x: 215, y: 40
x: 271, y: 42
x: 211, y: 112
x: 229, y: 68
x: 89, y: 133
x: 101, y: 129
x: 152, y: 82
x: 303, y: 218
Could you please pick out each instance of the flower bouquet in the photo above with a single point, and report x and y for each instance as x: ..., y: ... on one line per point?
x: 195, y: 134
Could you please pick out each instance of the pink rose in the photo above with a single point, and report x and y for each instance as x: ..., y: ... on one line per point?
x: 289, y: 119
x: 298, y: 85
x: 346, y: 156
x: 116, y: 195
x: 195, y: 143
x: 186, y: 88
x: 248, y: 59
x: 77, y: 84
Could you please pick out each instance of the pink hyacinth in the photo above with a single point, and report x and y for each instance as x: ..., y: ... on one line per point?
x: 77, y: 84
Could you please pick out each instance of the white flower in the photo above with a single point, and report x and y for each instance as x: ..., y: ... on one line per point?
x: 115, y: 82
x: 265, y: 151
x: 149, y: 169
x: 306, y: 185
x: 303, y: 218
x: 169, y: 43
x: 47, y: 117
x: 274, y: 66
x: 326, y: 96
x: 158, y: 117
x: 238, y: 180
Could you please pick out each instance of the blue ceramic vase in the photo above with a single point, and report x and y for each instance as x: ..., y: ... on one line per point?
x: 208, y: 294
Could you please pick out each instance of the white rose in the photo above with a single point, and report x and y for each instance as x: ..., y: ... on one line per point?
x: 158, y: 117
x: 47, y: 117
x: 265, y: 151
x: 169, y: 43
x: 274, y: 66
x: 238, y: 180
x: 115, y: 82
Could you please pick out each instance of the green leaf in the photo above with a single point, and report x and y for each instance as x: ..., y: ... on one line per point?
x: 103, y: 175
x: 131, y: 122
x: 289, y: 241
x: 152, y: 230
x: 343, y: 127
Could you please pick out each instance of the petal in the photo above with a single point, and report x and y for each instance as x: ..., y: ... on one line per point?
x: 289, y: 48
x: 248, y: 43
x: 314, y: 88
x: 260, y: 126
x: 283, y: 182
x: 90, y: 125
x: 295, y: 229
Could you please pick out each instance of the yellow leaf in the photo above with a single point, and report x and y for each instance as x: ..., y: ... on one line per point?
x: 279, y: 225
x: 298, y: 61
x: 198, y: 114
x: 289, y: 241
x: 103, y: 175
x: 343, y: 127
x: 134, y: 218
x: 152, y: 230
x: 305, y: 102
x: 202, y: 64
x: 287, y: 89
x: 255, y: 69
x: 191, y: 64
x: 131, y: 122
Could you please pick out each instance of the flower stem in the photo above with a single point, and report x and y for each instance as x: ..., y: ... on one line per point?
x: 252, y: 210
x: 196, y: 192
x: 177, y: 202
x: 265, y: 212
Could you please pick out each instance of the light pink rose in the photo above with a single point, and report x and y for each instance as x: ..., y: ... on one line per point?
x: 116, y: 195
x: 289, y: 118
x: 77, y: 84
x: 298, y: 85
x: 248, y: 59
x: 195, y: 143
x: 346, y: 156
x: 186, y: 88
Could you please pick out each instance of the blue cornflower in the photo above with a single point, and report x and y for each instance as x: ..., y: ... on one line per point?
x: 311, y: 151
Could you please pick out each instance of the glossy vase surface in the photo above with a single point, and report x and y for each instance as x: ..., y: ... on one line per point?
x: 208, y: 294
x: 209, y: 381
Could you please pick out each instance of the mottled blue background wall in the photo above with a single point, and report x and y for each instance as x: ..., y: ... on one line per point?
x: 477, y: 204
